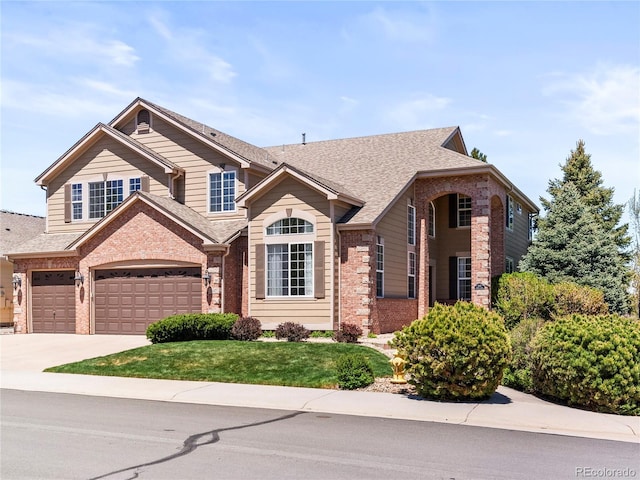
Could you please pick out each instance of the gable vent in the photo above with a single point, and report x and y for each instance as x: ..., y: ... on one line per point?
x: 143, y: 121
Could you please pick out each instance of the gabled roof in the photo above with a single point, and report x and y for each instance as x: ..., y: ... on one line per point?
x: 93, y: 136
x: 332, y: 190
x: 211, y: 233
x: 376, y: 169
x: 16, y: 229
x: 241, y: 151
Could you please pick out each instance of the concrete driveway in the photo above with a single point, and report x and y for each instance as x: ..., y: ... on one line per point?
x: 37, y: 351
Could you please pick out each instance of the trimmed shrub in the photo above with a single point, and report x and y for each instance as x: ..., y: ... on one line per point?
x: 348, y: 333
x: 523, y: 295
x: 354, y: 371
x: 589, y: 361
x: 322, y: 334
x: 293, y: 332
x: 456, y: 352
x: 572, y: 298
x: 246, y: 328
x: 518, y: 373
x: 192, y: 326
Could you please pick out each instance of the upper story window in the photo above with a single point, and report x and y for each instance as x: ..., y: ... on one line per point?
x: 76, y: 201
x: 104, y: 197
x: 222, y: 192
x: 411, y: 225
x: 143, y: 121
x: 411, y: 274
x: 135, y: 184
x: 432, y: 220
x: 290, y: 266
x: 509, y: 213
x: 464, y: 211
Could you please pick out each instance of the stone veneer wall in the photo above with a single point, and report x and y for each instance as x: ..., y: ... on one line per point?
x: 357, y: 278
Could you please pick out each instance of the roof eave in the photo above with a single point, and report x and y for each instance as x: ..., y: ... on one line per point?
x: 47, y: 254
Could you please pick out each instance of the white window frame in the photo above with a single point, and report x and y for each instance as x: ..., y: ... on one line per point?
x: 135, y: 184
x: 432, y: 220
x: 411, y: 274
x: 411, y: 225
x: 278, y: 234
x: 76, y: 201
x: 108, y: 205
x: 286, y: 290
x: 225, y: 198
x: 379, y: 259
x: 464, y: 210
x: 509, y: 213
x: 461, y: 278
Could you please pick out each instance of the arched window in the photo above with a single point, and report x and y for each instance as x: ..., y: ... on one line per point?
x: 290, y: 264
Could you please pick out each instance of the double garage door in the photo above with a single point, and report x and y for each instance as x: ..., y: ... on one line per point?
x: 126, y: 300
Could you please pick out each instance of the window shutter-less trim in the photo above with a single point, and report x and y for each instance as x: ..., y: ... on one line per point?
x: 67, y: 203
x: 453, y: 278
x: 260, y: 271
x: 453, y: 210
x: 318, y: 269
x: 144, y: 183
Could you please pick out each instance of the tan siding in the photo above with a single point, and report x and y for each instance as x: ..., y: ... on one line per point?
x: 315, y: 313
x: 105, y: 156
x: 517, y: 241
x: 196, y: 158
x: 393, y: 228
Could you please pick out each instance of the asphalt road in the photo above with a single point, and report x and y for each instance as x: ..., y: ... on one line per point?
x: 59, y: 436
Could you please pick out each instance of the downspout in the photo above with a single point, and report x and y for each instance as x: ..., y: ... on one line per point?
x: 339, y: 277
x: 222, y: 273
x: 172, y: 182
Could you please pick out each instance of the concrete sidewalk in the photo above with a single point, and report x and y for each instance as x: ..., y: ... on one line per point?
x: 506, y: 409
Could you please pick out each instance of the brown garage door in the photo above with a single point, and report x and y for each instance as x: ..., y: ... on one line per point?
x: 128, y: 300
x: 53, y: 303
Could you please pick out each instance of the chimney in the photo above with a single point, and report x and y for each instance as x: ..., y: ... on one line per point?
x: 304, y: 138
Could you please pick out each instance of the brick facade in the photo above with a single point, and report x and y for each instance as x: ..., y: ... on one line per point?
x: 357, y: 277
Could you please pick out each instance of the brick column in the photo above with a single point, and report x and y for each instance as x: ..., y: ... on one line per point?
x: 480, y: 246
x: 83, y: 300
x: 212, y: 293
x: 20, y: 303
x: 357, y: 293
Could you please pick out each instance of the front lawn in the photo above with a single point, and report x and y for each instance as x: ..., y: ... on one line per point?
x: 264, y: 363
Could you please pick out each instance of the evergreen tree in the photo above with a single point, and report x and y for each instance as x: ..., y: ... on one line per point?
x: 572, y: 245
x: 478, y: 155
x: 634, y: 212
x: 579, y: 171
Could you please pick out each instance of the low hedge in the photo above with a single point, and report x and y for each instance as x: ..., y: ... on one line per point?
x: 589, y: 361
x: 192, y: 326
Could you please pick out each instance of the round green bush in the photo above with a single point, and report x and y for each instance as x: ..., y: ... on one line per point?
x: 354, y: 371
x: 192, y: 326
x: 523, y: 295
x: 589, y: 361
x: 455, y: 352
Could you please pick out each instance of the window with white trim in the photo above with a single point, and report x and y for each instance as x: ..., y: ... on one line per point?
x: 411, y: 270
x: 104, y: 197
x: 464, y: 278
x: 411, y: 225
x: 532, y: 226
x: 464, y: 211
x: 509, y: 213
x: 432, y: 220
x: 135, y: 184
x: 289, y: 265
x: 379, y: 266
x: 222, y: 192
x: 509, y: 265
x: 76, y: 201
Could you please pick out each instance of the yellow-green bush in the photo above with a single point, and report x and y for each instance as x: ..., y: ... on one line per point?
x: 523, y: 295
x: 572, y: 298
x: 518, y: 373
x: 589, y: 361
x: 455, y: 352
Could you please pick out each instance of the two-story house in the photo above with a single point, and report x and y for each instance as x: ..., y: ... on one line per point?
x: 154, y: 214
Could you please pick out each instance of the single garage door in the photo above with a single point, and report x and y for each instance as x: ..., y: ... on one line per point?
x: 53, y: 302
x: 128, y: 300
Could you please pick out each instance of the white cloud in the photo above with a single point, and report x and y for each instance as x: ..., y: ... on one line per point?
x: 605, y: 100
x: 418, y: 112
x: 409, y: 26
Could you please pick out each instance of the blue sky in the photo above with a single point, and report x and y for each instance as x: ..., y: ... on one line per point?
x: 524, y: 81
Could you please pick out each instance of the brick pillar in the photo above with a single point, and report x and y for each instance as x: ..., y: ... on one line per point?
x: 480, y: 247
x: 83, y: 301
x: 422, y: 257
x: 357, y: 278
x: 212, y: 293
x: 20, y: 303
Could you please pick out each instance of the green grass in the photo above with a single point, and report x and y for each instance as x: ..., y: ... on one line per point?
x: 264, y: 363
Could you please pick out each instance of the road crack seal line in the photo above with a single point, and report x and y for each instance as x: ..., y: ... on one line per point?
x: 466, y: 418
x: 192, y: 443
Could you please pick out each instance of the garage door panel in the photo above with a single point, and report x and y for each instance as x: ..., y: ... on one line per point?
x: 127, y: 301
x: 53, y: 307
